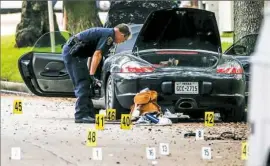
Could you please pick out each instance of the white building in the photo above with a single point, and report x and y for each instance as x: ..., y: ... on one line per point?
x: 224, y: 13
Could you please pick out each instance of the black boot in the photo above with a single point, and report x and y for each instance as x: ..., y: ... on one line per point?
x: 86, y: 119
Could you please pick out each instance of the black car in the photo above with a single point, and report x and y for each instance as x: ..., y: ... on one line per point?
x: 176, y: 52
x: 242, y: 49
x: 177, y: 49
x: 133, y: 13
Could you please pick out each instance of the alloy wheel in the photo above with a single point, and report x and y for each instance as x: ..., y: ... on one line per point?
x: 109, y: 93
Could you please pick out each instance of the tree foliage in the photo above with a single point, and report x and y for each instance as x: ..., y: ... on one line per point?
x: 134, y: 11
x: 81, y: 15
x: 248, y: 17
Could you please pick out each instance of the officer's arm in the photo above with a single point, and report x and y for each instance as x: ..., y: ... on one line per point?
x: 95, y: 62
x: 102, y: 48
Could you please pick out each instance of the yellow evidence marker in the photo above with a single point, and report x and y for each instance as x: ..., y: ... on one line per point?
x: 111, y: 114
x: 126, y: 122
x: 17, y: 107
x: 91, y: 138
x: 16, y: 153
x: 209, y: 119
x: 244, y: 154
x: 100, y: 122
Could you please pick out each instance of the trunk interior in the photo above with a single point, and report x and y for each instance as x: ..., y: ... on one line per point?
x: 180, y: 59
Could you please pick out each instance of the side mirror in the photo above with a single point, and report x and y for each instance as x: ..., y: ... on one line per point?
x: 239, y: 50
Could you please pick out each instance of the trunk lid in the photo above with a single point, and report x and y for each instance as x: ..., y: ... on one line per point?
x: 179, y: 28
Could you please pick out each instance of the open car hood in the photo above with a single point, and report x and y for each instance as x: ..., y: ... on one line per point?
x: 133, y: 12
x: 179, y: 28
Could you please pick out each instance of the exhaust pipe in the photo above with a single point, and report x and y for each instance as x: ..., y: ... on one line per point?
x: 186, y: 104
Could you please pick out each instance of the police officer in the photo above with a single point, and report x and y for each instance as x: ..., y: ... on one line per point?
x: 93, y: 42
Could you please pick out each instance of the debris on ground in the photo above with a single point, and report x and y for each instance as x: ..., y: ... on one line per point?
x: 153, y: 119
x: 189, y: 134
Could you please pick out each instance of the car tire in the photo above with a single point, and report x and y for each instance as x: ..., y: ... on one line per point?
x: 236, y: 114
x: 111, y: 100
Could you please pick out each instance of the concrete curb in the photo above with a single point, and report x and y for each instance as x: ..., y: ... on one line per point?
x: 21, y: 88
x: 14, y: 86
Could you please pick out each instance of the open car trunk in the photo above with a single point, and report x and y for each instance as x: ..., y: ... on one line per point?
x: 177, y: 59
x: 179, y: 28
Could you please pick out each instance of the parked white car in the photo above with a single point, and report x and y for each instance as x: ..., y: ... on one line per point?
x: 258, y: 110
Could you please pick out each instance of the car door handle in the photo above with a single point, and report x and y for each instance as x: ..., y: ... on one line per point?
x: 54, y: 66
x: 53, y: 74
x: 54, y: 69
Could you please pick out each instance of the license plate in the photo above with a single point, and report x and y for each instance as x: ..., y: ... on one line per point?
x: 186, y: 87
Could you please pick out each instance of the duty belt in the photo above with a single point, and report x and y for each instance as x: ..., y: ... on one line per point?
x: 76, y: 46
x: 73, y: 40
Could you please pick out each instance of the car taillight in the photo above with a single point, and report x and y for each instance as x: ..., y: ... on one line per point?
x: 132, y: 67
x: 230, y: 68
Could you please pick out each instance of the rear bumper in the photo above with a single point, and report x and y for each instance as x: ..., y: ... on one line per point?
x: 201, y: 102
x: 213, y: 92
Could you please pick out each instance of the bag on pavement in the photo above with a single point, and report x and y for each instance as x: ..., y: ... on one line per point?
x: 145, y: 102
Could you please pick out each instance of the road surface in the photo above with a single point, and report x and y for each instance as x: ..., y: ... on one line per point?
x: 10, y: 21
x: 47, y: 135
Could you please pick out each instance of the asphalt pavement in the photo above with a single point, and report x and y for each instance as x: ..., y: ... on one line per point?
x: 47, y: 135
x: 10, y: 21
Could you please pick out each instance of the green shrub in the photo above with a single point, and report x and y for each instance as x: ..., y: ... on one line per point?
x: 9, y: 59
x: 225, y: 45
x: 227, y: 34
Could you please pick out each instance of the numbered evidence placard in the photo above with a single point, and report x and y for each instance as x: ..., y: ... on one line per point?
x: 209, y: 119
x: 126, y: 123
x: 15, y: 153
x: 206, y: 153
x: 97, y: 154
x: 244, y: 149
x: 199, y: 134
x: 91, y: 138
x: 111, y: 114
x: 17, y: 107
x: 151, y: 153
x: 164, y: 149
x: 99, y: 122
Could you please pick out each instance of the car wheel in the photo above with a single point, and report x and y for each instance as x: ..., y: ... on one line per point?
x: 236, y: 114
x: 111, y: 100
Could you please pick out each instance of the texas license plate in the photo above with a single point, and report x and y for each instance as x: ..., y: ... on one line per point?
x: 186, y: 87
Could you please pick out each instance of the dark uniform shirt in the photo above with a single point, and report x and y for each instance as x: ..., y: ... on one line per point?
x: 97, y: 39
